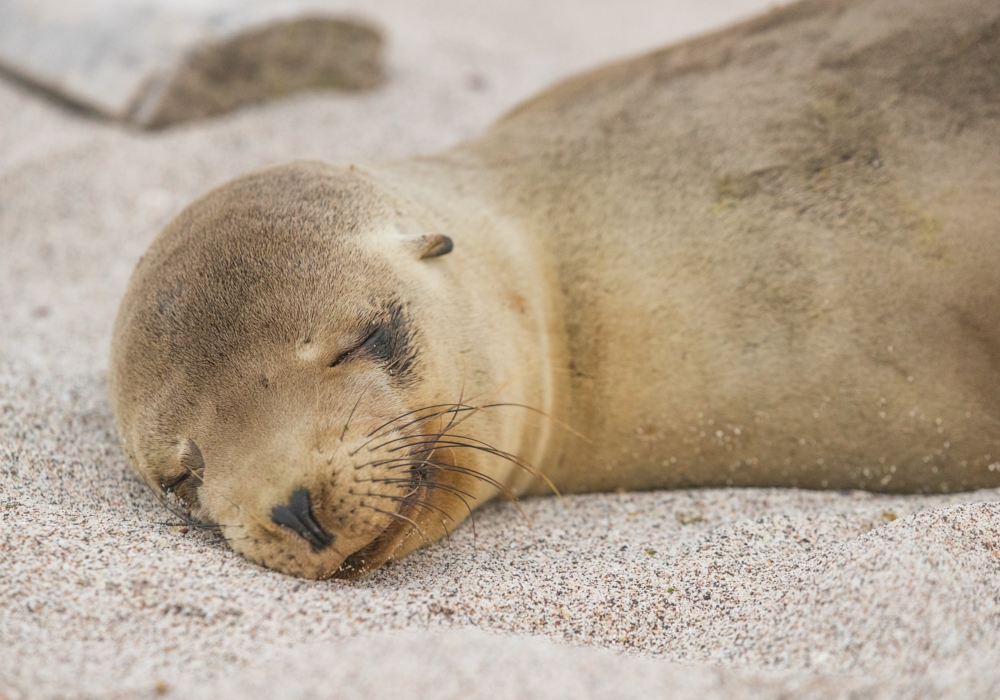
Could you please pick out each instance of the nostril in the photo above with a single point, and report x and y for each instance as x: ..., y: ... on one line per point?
x: 297, y: 516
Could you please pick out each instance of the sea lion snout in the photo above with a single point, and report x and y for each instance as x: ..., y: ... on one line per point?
x: 318, y: 501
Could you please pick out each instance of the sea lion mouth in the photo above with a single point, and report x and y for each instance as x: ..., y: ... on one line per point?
x: 379, y: 550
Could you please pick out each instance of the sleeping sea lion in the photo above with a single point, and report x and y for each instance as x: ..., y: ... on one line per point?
x: 764, y: 257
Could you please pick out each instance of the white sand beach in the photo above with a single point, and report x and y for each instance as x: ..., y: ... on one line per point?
x: 685, y: 594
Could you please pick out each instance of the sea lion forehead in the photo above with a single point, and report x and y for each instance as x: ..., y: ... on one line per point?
x: 279, y: 208
x: 270, y: 259
x: 299, y: 229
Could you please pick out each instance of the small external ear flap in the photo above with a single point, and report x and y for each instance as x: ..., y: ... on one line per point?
x: 435, y: 246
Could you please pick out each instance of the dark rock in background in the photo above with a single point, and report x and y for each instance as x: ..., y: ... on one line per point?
x: 159, y: 62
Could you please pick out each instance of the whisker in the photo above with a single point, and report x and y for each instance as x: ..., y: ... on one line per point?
x: 378, y: 432
x: 455, y: 469
x: 409, y: 501
x: 449, y: 407
x: 410, y: 413
x: 421, y: 445
x: 460, y: 407
x: 230, y: 540
x: 441, y: 433
x: 441, y: 466
x: 417, y: 424
x: 461, y: 402
x: 447, y: 488
x: 483, y: 447
x: 489, y: 449
x: 399, y: 516
x: 455, y: 421
x: 438, y: 436
x: 356, y: 404
x: 420, y: 484
x: 561, y: 424
x: 457, y: 493
x: 458, y: 469
x: 190, y: 523
x: 434, y: 465
x: 408, y: 435
x: 408, y: 460
x: 185, y: 517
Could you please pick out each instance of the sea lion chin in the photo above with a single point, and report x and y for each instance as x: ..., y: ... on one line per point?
x: 762, y: 258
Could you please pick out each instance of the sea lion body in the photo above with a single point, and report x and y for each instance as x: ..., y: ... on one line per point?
x: 778, y: 250
x: 767, y: 257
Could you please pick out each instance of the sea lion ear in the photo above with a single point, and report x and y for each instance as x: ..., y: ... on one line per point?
x: 422, y: 245
x: 434, y: 246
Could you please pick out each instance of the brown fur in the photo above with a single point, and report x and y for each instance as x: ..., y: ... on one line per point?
x: 766, y: 257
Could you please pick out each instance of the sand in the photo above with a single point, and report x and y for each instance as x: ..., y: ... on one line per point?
x: 687, y: 594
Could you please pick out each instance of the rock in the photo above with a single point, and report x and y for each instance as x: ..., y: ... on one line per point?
x: 159, y: 62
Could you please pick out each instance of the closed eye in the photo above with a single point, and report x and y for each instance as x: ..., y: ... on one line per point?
x: 378, y: 343
x: 176, y: 481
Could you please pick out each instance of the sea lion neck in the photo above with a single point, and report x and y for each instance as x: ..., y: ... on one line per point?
x: 504, y: 281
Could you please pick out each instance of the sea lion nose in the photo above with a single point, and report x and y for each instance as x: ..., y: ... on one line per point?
x: 297, y: 516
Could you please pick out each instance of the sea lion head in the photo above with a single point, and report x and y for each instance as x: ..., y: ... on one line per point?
x: 272, y: 365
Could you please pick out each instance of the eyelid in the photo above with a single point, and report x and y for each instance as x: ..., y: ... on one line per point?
x: 347, y: 353
x: 173, y: 483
